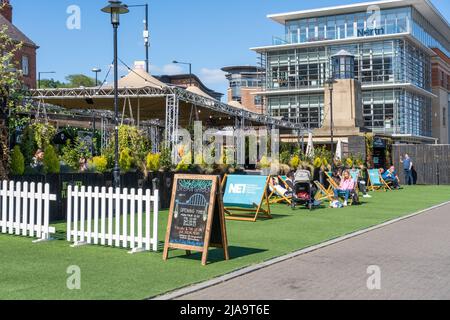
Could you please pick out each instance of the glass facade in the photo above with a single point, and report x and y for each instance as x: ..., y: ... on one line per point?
x: 306, y: 109
x: 361, y: 24
x: 299, y: 74
x: 343, y: 67
x: 392, y: 111
x: 364, y: 24
x: 397, y: 111
x: 381, y: 62
x: 424, y: 31
x: 237, y: 82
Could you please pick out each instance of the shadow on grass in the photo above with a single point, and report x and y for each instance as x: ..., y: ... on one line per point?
x: 216, y: 254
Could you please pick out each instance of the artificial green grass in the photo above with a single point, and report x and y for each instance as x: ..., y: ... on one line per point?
x: 38, y: 271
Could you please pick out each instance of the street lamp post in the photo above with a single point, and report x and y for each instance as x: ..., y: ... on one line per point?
x: 115, y: 9
x: 39, y: 76
x: 190, y: 70
x: 146, y: 34
x: 96, y: 71
x: 330, y: 83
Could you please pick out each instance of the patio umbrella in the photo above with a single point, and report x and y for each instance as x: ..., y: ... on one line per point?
x: 310, y: 149
x: 338, y: 155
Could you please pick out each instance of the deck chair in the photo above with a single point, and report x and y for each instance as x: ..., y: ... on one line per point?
x: 335, y: 186
x: 376, y: 182
x: 323, y: 193
x: 277, y: 197
x: 355, y: 176
x: 245, y: 197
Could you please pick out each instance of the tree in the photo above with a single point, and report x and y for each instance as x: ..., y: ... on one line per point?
x: 79, y: 80
x: 51, y: 84
x: 17, y: 162
x: 51, y: 162
x: 10, y: 92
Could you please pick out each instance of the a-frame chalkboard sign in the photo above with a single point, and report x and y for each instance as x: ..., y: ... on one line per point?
x: 196, y: 218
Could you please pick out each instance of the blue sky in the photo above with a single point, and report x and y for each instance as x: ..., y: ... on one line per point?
x: 210, y: 34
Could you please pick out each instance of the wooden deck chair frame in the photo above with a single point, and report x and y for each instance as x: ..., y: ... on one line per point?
x: 324, y: 193
x: 334, y: 186
x: 382, y: 187
x: 261, y: 210
x: 357, y: 180
x: 274, y: 196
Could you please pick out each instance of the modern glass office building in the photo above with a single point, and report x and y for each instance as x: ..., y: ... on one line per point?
x: 393, y: 43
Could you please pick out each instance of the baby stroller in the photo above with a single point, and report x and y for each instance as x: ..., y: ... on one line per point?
x: 303, y: 190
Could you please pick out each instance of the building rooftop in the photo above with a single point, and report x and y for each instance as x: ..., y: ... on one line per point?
x: 425, y: 7
x: 15, y: 33
x: 247, y: 68
x: 168, y: 79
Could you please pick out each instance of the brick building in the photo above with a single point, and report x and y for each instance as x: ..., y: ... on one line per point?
x: 245, y: 82
x: 441, y: 103
x: 25, y: 59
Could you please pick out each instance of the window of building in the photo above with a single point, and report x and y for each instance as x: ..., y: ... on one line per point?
x: 444, y: 114
x: 25, y: 66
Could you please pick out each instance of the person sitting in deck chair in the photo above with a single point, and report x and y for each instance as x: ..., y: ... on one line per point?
x: 391, y: 177
x: 346, y: 187
x: 362, y: 181
x: 281, y: 190
x: 290, y: 180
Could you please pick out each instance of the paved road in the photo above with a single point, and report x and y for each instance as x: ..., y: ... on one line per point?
x: 413, y: 256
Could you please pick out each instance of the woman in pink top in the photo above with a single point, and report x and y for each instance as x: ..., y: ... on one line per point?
x: 345, y: 188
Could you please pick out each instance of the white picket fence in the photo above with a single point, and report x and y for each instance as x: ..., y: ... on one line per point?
x: 25, y: 210
x: 114, y: 217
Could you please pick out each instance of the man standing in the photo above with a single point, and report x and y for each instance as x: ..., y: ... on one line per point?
x: 407, y: 167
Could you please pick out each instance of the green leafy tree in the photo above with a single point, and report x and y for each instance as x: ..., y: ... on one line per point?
x: 17, y: 166
x: 10, y: 92
x: 71, y: 153
x: 79, y: 80
x: 28, y: 145
x: 51, y: 162
x: 51, y: 84
x: 137, y: 143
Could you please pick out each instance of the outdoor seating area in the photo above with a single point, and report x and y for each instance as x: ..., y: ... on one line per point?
x: 183, y: 175
x: 146, y: 275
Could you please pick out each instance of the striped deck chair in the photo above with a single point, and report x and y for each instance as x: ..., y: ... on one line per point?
x: 335, y: 186
x: 355, y: 176
x: 323, y: 193
x: 376, y: 182
x: 275, y: 196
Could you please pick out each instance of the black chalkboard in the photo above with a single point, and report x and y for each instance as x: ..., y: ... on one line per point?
x: 196, y: 219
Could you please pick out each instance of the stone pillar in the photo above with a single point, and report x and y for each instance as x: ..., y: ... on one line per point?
x: 347, y: 107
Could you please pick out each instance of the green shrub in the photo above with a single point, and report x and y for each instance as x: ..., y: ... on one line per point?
x: 17, y: 162
x: 71, y: 153
x: 99, y: 164
x: 125, y: 160
x: 28, y: 145
x: 317, y: 162
x: 51, y: 162
x: 295, y: 162
x: 264, y: 163
x: 153, y: 162
x: 285, y: 156
x: 43, y: 134
x: 166, y: 159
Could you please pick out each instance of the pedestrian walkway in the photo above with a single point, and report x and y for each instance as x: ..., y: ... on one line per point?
x: 413, y: 257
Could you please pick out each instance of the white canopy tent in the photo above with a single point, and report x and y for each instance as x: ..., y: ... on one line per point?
x: 338, y: 155
x: 310, y: 148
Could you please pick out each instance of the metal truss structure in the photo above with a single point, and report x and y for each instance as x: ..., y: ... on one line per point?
x: 173, y: 96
